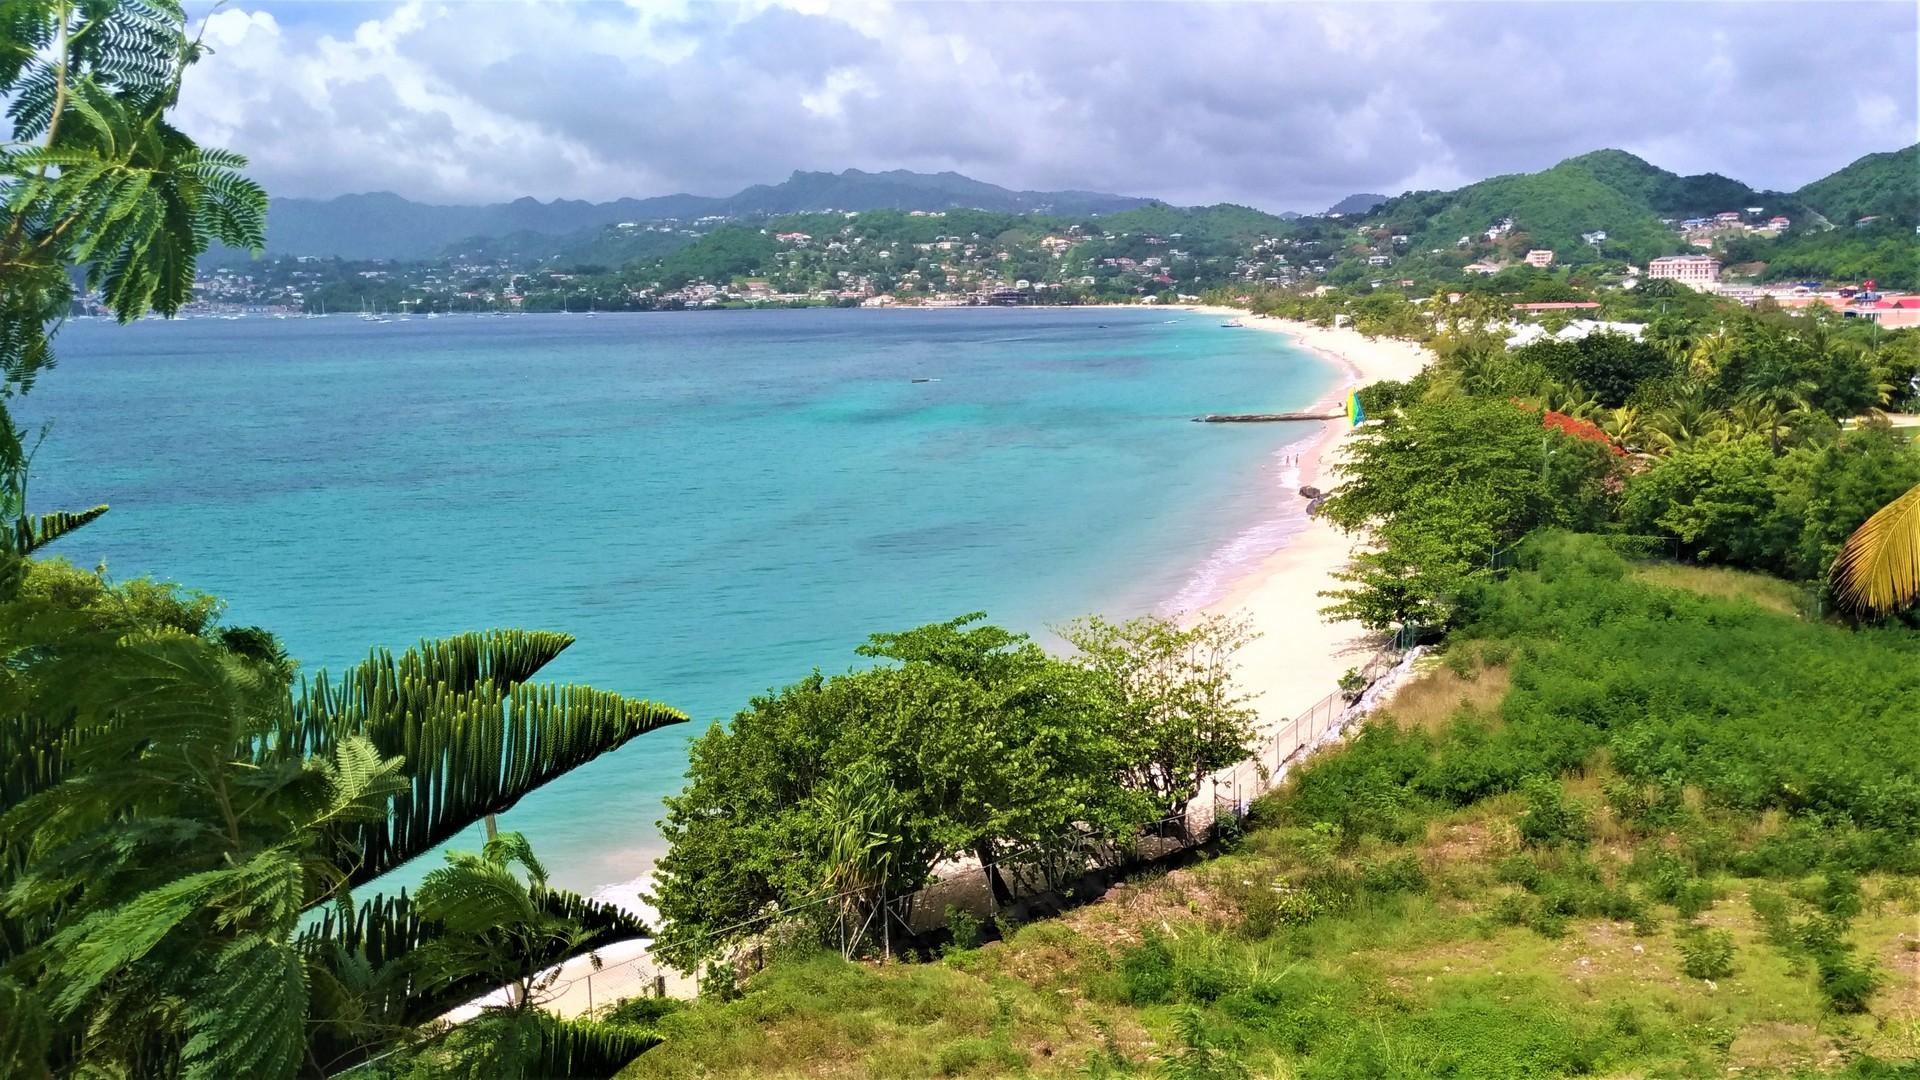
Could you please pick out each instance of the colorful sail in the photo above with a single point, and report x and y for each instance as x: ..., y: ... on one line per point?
x: 1355, y: 414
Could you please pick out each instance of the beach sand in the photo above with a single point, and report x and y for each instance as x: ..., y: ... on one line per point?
x: 1299, y: 656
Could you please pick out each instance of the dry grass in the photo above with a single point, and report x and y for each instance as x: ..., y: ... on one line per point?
x: 1429, y: 701
x: 1770, y: 593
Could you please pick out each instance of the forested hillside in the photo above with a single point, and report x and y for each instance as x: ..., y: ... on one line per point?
x: 1608, y: 190
x: 384, y: 225
x: 1885, y: 184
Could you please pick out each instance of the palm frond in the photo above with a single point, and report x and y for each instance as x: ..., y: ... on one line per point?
x: 1878, y: 569
x: 474, y: 737
x: 37, y: 531
x: 587, y: 1048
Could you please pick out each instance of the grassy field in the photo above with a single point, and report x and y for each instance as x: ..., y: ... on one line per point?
x: 1635, y: 822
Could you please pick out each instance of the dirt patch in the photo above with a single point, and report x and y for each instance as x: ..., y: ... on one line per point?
x: 1460, y: 841
x: 1775, y: 1044
x: 1899, y: 957
x: 1130, y: 909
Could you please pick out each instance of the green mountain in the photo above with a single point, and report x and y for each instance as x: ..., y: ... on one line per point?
x: 1607, y: 190
x: 382, y: 225
x: 606, y: 245
x: 1220, y: 222
x: 1356, y: 204
x: 1886, y: 185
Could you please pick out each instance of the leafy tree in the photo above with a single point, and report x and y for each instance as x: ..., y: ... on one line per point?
x: 1443, y: 486
x: 95, y: 176
x: 1611, y: 366
x: 1173, y: 697
x: 1717, y: 498
x: 973, y: 739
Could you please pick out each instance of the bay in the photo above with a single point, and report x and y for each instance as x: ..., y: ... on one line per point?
x: 713, y: 503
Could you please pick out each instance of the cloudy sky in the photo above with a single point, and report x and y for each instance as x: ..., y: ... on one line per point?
x: 1282, y: 106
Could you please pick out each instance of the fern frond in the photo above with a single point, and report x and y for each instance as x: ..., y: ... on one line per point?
x: 249, y: 1018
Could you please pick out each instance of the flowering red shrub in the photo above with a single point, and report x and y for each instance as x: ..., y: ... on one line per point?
x: 1579, y: 429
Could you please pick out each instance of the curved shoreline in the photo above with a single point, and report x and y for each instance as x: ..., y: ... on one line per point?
x: 1299, y: 656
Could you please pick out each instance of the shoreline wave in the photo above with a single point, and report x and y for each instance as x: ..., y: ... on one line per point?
x: 1243, y: 553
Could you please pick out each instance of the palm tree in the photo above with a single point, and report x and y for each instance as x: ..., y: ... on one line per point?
x: 1710, y: 352
x: 1625, y: 426
x: 1685, y: 419
x: 1878, y: 569
x: 1672, y: 337
x: 1775, y: 393
x: 176, y: 806
x: 1568, y: 400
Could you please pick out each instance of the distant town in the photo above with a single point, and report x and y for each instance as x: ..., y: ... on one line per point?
x: 1550, y: 248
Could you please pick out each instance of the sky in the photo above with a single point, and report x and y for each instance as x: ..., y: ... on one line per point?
x: 1279, y: 105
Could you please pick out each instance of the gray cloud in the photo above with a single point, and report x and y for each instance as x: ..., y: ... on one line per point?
x: 1280, y: 106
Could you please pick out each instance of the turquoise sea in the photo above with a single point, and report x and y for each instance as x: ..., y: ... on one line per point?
x: 713, y: 503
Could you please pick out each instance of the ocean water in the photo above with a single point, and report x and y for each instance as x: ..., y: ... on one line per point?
x: 712, y: 503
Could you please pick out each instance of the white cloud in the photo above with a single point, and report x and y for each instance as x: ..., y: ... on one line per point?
x: 1276, y: 105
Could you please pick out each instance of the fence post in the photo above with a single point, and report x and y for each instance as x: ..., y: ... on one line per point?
x: 589, y: 993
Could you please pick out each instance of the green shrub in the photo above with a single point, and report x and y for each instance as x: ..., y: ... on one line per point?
x: 1706, y: 954
x: 1847, y: 983
x: 1514, y: 909
x: 1146, y: 971
x: 642, y: 1011
x: 1839, y: 894
x: 719, y: 981
x: 1399, y: 875
x: 1521, y: 869
x: 1550, y: 820
x: 1771, y: 912
x: 1670, y: 880
x: 966, y: 928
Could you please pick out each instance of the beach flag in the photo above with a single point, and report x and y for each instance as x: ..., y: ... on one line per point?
x: 1355, y: 414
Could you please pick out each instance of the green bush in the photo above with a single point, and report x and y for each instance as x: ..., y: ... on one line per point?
x: 1839, y: 894
x: 1146, y: 972
x: 642, y: 1011
x: 966, y: 928
x: 1846, y: 982
x: 1706, y: 954
x: 1550, y: 820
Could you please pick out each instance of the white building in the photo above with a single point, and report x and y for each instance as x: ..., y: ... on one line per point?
x: 1686, y: 269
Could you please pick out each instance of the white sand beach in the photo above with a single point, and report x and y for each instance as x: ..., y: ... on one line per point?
x: 1299, y: 657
